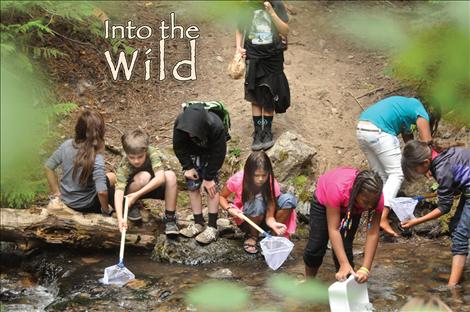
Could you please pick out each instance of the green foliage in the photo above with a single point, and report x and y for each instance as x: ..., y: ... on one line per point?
x: 308, y: 292
x: 226, y: 296
x: 429, y: 50
x: 301, y: 185
x: 25, y: 120
x: 234, y: 152
x: 218, y: 296
x: 27, y: 25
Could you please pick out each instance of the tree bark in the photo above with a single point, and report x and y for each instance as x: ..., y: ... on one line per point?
x: 37, y: 226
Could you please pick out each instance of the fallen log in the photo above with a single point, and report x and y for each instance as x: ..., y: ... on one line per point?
x: 37, y: 226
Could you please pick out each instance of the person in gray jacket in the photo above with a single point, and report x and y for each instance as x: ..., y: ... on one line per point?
x: 451, y: 168
x: 84, y: 185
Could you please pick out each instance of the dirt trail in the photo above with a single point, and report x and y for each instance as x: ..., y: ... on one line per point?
x: 322, y: 68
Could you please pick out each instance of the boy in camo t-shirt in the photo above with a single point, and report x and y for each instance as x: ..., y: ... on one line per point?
x: 141, y: 175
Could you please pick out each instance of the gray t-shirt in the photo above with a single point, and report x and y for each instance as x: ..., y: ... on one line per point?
x: 72, y: 193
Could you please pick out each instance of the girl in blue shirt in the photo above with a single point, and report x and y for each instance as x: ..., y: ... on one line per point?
x: 377, y: 133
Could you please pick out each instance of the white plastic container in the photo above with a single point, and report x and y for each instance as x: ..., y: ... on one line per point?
x: 349, y: 296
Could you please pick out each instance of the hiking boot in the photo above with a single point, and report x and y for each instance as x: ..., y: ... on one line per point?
x: 268, y: 140
x: 192, y: 230
x: 208, y: 236
x: 257, y: 139
x: 134, y: 212
x: 171, y: 228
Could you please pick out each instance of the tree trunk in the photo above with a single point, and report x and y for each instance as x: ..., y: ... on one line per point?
x: 31, y: 228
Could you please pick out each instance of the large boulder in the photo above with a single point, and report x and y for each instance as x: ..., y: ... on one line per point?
x: 291, y: 156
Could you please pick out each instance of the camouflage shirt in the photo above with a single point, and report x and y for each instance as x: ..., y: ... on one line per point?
x: 126, y: 171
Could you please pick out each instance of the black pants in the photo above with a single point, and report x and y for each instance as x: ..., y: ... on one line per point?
x: 95, y: 206
x: 318, y: 237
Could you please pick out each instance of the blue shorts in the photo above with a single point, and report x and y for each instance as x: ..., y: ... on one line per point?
x: 257, y: 207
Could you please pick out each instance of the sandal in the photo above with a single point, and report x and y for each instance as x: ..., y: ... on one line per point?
x: 250, y: 248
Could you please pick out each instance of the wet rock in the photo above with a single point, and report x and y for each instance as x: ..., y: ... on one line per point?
x: 136, y: 284
x: 188, y: 251
x: 303, y: 211
x: 164, y: 295
x: 431, y: 228
x: 291, y: 156
x: 221, y: 274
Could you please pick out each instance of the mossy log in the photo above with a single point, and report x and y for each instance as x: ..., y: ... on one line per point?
x: 37, y: 226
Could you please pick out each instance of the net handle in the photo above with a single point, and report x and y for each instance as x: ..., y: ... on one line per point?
x: 123, y: 233
x: 256, y: 226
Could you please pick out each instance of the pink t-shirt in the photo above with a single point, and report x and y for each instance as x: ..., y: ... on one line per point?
x: 334, y: 188
x: 235, y: 185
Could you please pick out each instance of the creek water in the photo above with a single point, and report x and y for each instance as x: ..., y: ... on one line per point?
x: 61, y: 279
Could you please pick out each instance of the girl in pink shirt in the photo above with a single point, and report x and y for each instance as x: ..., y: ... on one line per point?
x: 341, y: 196
x: 257, y: 195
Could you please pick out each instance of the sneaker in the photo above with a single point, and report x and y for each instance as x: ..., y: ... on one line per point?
x: 268, y: 140
x: 134, y: 213
x: 192, y: 230
x: 208, y: 236
x: 171, y: 228
x: 257, y: 140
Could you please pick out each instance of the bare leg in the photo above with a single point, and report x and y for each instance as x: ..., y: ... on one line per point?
x: 458, y: 264
x: 196, y: 201
x: 282, y: 215
x: 140, y: 180
x: 112, y: 178
x: 255, y: 109
x: 310, y: 272
x: 213, y: 203
x: 385, y: 225
x: 171, y: 190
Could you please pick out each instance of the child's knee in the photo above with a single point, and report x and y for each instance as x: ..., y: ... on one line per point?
x: 287, y: 201
x: 141, y: 179
x: 112, y: 178
x: 170, y: 178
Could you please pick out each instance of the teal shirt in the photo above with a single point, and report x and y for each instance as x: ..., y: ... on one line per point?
x: 395, y: 114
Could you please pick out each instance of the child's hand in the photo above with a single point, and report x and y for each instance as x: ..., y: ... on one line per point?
x: 361, y: 276
x: 55, y: 203
x: 268, y: 7
x: 241, y: 51
x: 132, y: 198
x: 408, y: 223
x: 122, y: 224
x: 233, y: 211
x: 343, y: 272
x: 278, y: 228
x: 191, y: 174
x: 209, y: 187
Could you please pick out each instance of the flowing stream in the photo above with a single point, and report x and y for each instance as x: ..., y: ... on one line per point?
x: 61, y: 279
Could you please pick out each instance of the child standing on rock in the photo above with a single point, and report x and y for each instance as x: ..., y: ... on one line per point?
x: 257, y: 195
x: 199, y: 142
x: 84, y: 186
x: 451, y: 168
x: 341, y: 196
x: 377, y: 133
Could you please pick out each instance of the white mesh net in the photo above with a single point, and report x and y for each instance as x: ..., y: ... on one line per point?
x: 276, y: 250
x: 403, y: 207
x: 116, y: 275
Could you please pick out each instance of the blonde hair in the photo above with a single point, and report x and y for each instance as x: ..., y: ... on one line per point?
x: 135, y: 142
